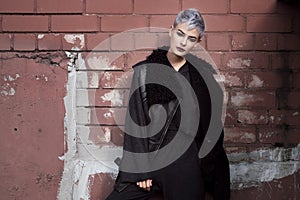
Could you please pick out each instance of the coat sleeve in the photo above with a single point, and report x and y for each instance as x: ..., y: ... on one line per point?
x: 137, y: 118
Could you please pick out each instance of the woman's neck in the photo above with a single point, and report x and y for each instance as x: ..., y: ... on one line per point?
x: 176, y: 61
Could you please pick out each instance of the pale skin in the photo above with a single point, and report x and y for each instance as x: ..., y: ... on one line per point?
x: 182, y: 41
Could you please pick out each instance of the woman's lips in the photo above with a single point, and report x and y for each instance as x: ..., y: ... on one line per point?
x: 180, y: 49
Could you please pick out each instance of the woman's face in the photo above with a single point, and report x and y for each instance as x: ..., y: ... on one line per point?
x: 182, y: 40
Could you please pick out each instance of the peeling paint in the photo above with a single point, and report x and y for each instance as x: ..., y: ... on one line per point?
x: 107, y: 115
x: 107, y: 134
x: 114, y: 96
x: 41, y: 36
x: 41, y: 77
x: 295, y: 113
x: 256, y: 82
x: 239, y: 63
x: 241, y: 98
x: 100, y: 63
x: 7, y: 87
x: 251, y: 169
x: 77, y: 40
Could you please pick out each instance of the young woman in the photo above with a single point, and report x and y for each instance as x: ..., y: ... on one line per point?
x: 161, y: 148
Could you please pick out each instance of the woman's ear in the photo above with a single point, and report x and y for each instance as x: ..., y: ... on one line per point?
x: 170, y: 30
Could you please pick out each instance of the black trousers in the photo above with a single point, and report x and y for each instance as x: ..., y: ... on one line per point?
x: 185, y: 179
x: 179, y: 181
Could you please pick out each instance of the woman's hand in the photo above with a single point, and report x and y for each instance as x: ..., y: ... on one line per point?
x: 145, y: 184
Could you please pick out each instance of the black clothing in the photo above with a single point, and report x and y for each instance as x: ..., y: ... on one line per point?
x: 188, y: 177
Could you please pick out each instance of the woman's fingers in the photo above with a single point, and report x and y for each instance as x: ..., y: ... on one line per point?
x: 145, y: 184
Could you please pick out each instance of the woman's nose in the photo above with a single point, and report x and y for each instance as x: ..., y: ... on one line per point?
x: 184, y: 41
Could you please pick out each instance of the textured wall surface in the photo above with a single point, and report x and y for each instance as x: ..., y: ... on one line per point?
x: 64, y: 78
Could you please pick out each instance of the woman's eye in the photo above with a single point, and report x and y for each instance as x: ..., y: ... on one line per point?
x: 180, y: 34
x: 192, y: 39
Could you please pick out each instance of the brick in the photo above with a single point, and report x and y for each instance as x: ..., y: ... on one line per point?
x: 122, y: 23
x: 145, y: 41
x: 134, y: 57
x: 234, y: 79
x: 288, y: 7
x: 288, y: 42
x: 109, y: 6
x: 58, y: 6
x: 49, y: 42
x: 269, y: 23
x: 246, y: 60
x: 97, y: 41
x: 294, y: 60
x: 230, y: 149
x: 100, y: 185
x: 156, y: 7
x: 296, y: 24
x: 216, y: 57
x: 108, y: 116
x: 255, y: 6
x: 242, y: 42
x: 163, y: 39
x: 294, y: 99
x: 293, y: 136
x: 218, y: 42
x: 252, y: 117
x: 231, y: 117
x: 239, y: 135
x: 266, y: 42
x: 267, y: 79
x: 96, y: 135
x: 85, y: 97
x: 103, y: 61
x: 123, y: 42
x: 271, y: 135
x: 207, y: 6
x: 162, y: 21
x: 17, y: 6
x: 74, y: 23
x: 296, y: 78
x: 279, y: 60
x: 224, y: 23
x: 26, y: 23
x: 253, y: 99
x: 24, y: 42
x: 286, y: 117
x: 5, y: 41
x: 87, y: 80
x: 117, y: 135
x: 100, y: 116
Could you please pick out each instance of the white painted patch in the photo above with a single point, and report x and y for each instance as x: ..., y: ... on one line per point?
x: 256, y: 82
x: 41, y: 36
x: 8, y: 87
x: 239, y: 63
x: 100, y: 63
x: 295, y: 113
x: 107, y: 134
x: 251, y: 169
x: 114, y: 96
x: 108, y: 75
x: 75, y: 39
x: 232, y: 80
x: 240, y: 98
x: 107, y: 115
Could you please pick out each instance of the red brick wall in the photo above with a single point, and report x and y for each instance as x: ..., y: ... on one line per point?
x: 255, y: 45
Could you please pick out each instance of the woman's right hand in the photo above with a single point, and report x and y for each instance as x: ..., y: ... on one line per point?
x: 146, y: 184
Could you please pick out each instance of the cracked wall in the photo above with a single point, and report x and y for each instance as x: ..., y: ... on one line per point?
x: 65, y: 73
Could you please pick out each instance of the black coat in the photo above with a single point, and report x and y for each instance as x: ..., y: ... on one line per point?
x: 143, y: 96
